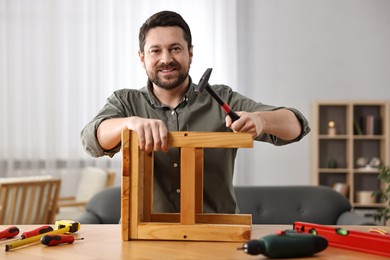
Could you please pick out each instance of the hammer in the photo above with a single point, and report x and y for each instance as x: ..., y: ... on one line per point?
x: 204, y: 84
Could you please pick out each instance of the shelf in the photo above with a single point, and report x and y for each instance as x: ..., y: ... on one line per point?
x: 359, y: 130
x: 369, y: 137
x: 344, y: 170
x: 333, y: 170
x: 368, y: 205
x: 366, y: 171
x: 333, y: 137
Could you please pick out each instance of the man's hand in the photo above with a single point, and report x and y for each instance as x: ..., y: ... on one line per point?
x: 247, y: 123
x: 152, y: 133
x: 281, y: 123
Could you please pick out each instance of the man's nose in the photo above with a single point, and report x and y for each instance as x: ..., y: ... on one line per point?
x: 166, y: 57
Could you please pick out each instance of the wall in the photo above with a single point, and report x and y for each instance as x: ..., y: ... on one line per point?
x: 289, y: 53
x: 292, y: 53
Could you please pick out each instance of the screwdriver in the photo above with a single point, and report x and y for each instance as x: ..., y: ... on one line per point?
x: 32, y: 233
x: 37, y: 231
x: 52, y: 240
x: 61, y: 227
x: 9, y: 232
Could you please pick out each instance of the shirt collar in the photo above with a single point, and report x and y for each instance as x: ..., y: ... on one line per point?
x: 156, y: 103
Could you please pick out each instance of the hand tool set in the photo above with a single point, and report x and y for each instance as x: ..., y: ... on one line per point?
x: 61, y: 234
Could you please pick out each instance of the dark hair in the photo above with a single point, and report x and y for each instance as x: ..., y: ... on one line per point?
x: 164, y: 19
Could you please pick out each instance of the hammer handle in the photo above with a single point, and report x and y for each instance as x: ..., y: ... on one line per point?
x: 233, y: 115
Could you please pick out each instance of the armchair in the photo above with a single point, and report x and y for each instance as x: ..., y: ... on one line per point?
x: 92, y: 180
x: 28, y: 200
x: 103, y: 208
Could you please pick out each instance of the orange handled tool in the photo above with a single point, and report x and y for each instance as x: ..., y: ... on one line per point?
x: 53, y: 240
x: 9, y: 232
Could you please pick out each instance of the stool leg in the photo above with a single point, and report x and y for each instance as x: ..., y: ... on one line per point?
x: 199, y: 180
x: 187, y: 183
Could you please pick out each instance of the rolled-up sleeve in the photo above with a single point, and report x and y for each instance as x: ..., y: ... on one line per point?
x: 305, y: 129
x: 112, y: 109
x: 91, y: 144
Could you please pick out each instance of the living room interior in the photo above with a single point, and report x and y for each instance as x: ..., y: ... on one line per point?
x: 60, y: 60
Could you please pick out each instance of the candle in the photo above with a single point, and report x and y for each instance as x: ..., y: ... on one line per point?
x: 331, y: 128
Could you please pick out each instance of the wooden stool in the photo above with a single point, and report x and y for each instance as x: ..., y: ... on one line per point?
x: 138, y: 219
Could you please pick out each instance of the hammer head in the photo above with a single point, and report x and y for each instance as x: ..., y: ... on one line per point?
x: 204, y: 81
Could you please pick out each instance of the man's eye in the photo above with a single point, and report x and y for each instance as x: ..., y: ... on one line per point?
x: 154, y: 51
x: 176, y: 49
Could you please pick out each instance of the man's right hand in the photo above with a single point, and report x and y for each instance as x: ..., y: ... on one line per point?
x: 152, y: 133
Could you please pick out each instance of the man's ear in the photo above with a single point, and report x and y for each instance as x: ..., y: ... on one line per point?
x: 191, y: 53
x: 141, y: 56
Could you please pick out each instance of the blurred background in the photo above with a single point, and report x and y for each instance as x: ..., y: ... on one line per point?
x: 61, y: 59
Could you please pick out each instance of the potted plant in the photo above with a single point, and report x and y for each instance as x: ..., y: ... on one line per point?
x: 383, y: 195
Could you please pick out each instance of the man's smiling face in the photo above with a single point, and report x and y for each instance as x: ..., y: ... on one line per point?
x: 166, y: 57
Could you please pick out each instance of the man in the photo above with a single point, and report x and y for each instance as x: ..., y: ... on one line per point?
x: 168, y: 103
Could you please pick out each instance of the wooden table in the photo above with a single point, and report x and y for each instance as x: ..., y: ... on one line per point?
x: 104, y: 242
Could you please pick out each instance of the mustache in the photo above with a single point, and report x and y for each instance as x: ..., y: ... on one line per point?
x: 171, y: 65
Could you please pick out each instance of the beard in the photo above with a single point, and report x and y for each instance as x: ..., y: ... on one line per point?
x: 172, y: 83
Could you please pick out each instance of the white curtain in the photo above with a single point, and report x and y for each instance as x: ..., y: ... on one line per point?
x: 61, y: 59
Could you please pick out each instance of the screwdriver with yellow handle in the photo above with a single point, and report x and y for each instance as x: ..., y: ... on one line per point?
x: 61, y: 227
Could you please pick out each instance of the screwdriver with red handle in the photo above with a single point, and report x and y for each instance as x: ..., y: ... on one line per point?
x: 37, y: 231
x: 27, y: 234
x: 9, y: 232
x: 53, y: 240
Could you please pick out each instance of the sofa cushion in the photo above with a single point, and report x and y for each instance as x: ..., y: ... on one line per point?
x: 286, y: 204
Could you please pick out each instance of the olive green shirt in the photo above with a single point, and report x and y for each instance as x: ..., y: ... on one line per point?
x: 196, y: 112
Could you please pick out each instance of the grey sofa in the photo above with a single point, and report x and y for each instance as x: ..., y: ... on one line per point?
x: 103, y: 208
x: 268, y: 205
x: 286, y: 204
